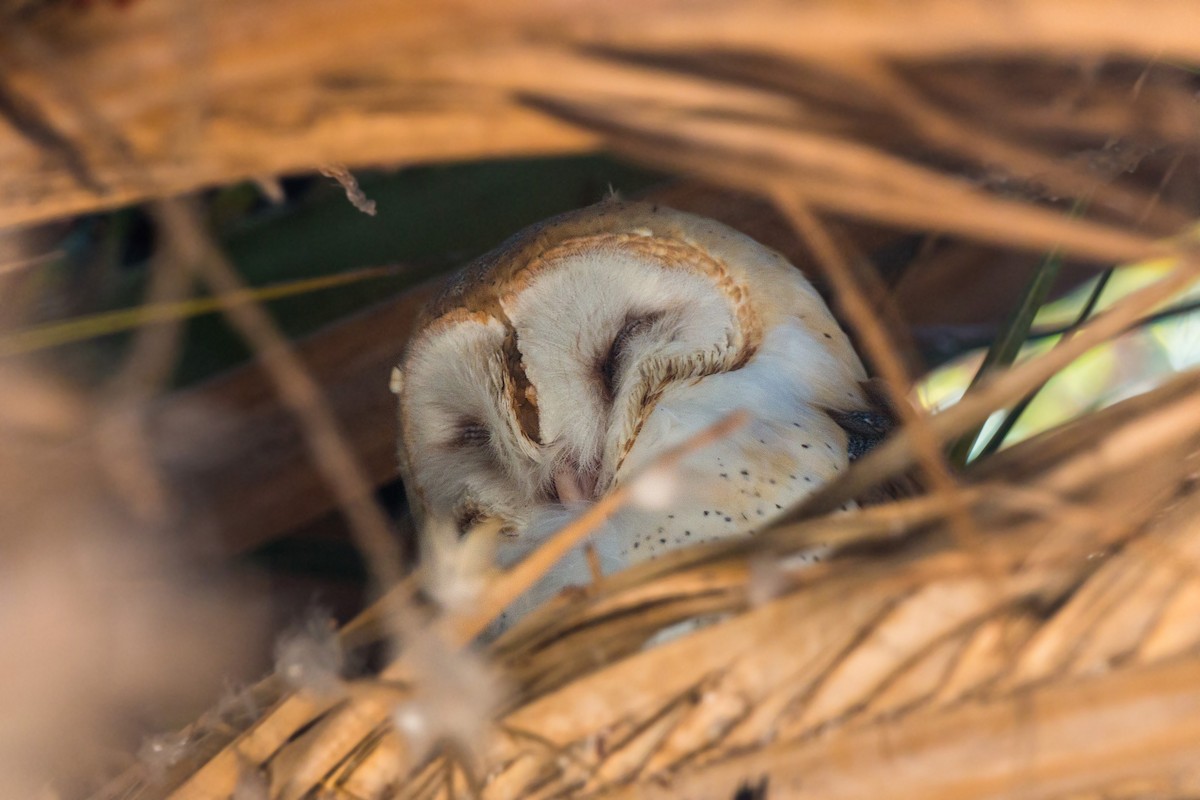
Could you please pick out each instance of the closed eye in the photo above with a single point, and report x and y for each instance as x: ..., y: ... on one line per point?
x: 467, y: 518
x: 608, y: 368
x: 470, y: 433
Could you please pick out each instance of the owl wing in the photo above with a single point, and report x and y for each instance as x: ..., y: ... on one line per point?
x: 867, y: 427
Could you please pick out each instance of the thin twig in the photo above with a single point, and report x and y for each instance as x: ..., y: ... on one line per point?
x: 987, y: 149
x: 180, y: 222
x: 879, y: 347
x: 520, y: 578
x: 848, y: 178
x: 54, y: 334
x: 121, y: 430
x: 331, y: 454
x: 351, y: 724
x: 354, y: 193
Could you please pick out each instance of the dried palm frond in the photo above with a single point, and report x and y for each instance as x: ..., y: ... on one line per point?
x: 849, y: 100
x: 1027, y: 628
x: 1058, y: 657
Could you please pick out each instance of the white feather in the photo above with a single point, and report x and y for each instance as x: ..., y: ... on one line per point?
x: 565, y: 316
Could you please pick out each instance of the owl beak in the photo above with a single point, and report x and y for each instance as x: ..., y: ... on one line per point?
x: 574, y: 486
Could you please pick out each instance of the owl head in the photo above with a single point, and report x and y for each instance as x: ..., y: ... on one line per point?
x: 552, y: 367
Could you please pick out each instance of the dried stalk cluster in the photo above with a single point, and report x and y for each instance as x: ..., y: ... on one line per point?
x: 1056, y: 657
x: 1027, y: 629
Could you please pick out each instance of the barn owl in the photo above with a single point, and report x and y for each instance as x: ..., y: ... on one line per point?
x: 555, y: 367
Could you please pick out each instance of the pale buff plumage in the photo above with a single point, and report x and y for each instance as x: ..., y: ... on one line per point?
x: 559, y: 364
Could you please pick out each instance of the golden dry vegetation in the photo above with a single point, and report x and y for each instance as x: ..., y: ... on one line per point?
x: 1028, y: 625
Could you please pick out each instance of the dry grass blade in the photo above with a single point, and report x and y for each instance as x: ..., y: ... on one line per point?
x: 183, y: 229
x: 123, y: 430
x: 280, y: 488
x: 895, y: 665
x: 435, y: 81
x: 1142, y: 724
x: 319, y: 752
x: 918, y: 650
x: 1154, y: 112
x: 897, y: 640
x: 53, y: 334
x: 923, y: 29
x: 883, y: 353
x: 848, y: 178
x: 298, y: 391
x: 502, y: 592
x: 944, y: 130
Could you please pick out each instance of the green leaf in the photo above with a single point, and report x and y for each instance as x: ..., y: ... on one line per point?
x: 1007, y: 346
